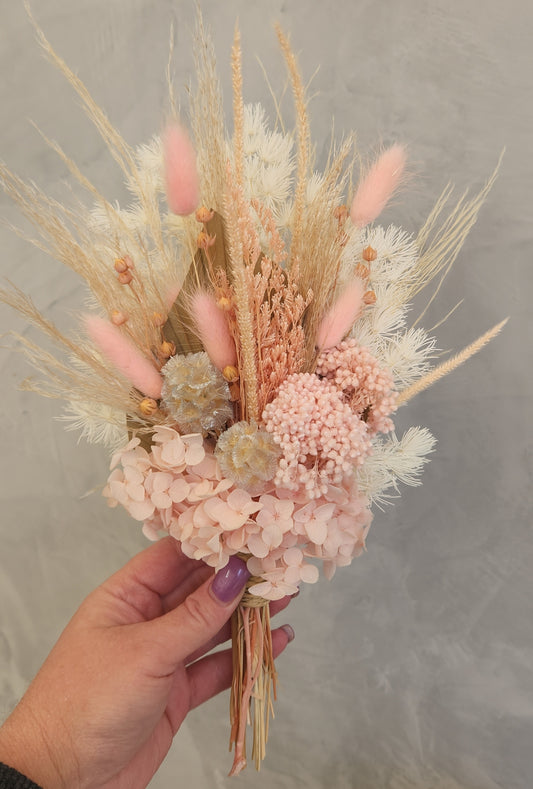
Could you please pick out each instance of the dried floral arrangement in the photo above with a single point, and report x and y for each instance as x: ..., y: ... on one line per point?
x: 249, y: 344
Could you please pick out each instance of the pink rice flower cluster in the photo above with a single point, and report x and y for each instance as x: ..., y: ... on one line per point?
x: 320, y: 436
x: 365, y: 386
x: 178, y: 487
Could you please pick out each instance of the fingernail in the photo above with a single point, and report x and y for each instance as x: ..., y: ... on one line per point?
x: 230, y: 580
x: 287, y: 629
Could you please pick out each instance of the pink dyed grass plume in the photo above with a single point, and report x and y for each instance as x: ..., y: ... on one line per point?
x: 181, y: 176
x: 340, y: 318
x: 124, y: 356
x: 378, y: 186
x: 213, y: 330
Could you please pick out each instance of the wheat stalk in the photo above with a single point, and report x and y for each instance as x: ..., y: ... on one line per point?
x: 449, y: 365
x: 303, y: 136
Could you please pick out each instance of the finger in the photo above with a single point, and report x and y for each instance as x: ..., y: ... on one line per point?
x: 213, y: 674
x: 158, y: 571
x: 224, y: 634
x: 192, y: 625
x: 187, y: 586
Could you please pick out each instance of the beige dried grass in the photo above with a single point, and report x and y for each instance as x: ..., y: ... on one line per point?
x: 449, y: 365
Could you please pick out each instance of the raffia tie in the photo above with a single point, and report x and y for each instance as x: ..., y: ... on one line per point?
x: 250, y: 600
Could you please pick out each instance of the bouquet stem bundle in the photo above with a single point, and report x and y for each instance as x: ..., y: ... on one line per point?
x: 254, y: 678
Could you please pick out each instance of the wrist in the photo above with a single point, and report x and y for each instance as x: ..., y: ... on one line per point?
x: 25, y: 747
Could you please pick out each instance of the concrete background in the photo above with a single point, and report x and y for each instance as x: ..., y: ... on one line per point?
x: 414, y: 667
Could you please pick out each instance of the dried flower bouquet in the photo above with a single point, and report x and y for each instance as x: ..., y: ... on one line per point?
x: 251, y: 335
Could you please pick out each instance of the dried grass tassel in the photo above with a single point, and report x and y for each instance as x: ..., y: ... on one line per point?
x: 181, y: 176
x: 124, y: 356
x: 254, y: 679
x: 213, y: 330
x: 340, y: 318
x: 378, y: 186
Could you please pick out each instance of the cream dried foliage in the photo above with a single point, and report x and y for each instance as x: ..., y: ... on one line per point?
x: 407, y: 355
x: 96, y: 423
x: 439, y: 245
x: 207, y: 121
x: 395, y: 460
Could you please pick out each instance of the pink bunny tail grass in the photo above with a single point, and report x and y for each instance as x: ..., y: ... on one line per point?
x: 124, y: 356
x: 341, y: 316
x: 213, y: 330
x: 376, y: 189
x: 181, y: 176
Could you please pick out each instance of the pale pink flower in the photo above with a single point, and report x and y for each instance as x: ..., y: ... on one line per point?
x: 206, y: 488
x: 274, y: 586
x: 320, y: 437
x: 297, y: 569
x: 126, y: 488
x: 234, y: 511
x: 173, y: 452
x: 132, y: 454
x: 313, y: 520
x: 274, y: 520
x: 365, y: 386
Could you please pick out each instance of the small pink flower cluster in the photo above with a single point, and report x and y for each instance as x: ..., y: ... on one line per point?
x: 321, y: 438
x: 365, y: 386
x: 178, y: 487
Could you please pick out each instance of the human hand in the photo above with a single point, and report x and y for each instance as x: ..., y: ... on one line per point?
x: 129, y: 666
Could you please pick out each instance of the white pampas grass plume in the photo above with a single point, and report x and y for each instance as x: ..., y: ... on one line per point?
x: 213, y: 330
x: 181, y: 176
x: 341, y: 316
x: 378, y: 186
x: 124, y: 356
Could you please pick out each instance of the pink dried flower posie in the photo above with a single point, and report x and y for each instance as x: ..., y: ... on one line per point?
x: 258, y: 420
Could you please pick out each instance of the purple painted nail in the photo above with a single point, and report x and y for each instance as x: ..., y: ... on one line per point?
x: 289, y: 632
x: 230, y: 580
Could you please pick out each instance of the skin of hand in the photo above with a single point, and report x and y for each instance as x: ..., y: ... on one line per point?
x: 131, y: 663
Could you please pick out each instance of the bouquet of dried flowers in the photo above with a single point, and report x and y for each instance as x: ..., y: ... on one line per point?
x: 251, y: 338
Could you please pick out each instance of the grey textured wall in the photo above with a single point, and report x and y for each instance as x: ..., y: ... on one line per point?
x: 414, y: 667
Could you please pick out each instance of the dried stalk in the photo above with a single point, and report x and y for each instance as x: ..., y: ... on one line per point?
x: 254, y: 679
x: 449, y: 365
x: 303, y: 136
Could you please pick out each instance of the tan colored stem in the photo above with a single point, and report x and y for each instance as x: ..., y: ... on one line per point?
x: 450, y: 364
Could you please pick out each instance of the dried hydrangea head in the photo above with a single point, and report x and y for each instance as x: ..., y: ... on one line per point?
x: 195, y: 394
x: 248, y: 455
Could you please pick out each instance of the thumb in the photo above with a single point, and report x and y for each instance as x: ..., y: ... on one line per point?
x: 204, y: 612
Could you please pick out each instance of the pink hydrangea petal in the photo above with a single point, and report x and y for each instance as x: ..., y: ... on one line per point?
x: 162, y: 481
x: 317, y: 531
x: 135, y: 492
x: 220, y: 512
x: 194, y: 455
x: 141, y: 510
x: 309, y: 573
x: 257, y: 547
x: 161, y: 500
x: 178, y: 490
x: 149, y: 532
x: 292, y: 576
x: 293, y: 557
